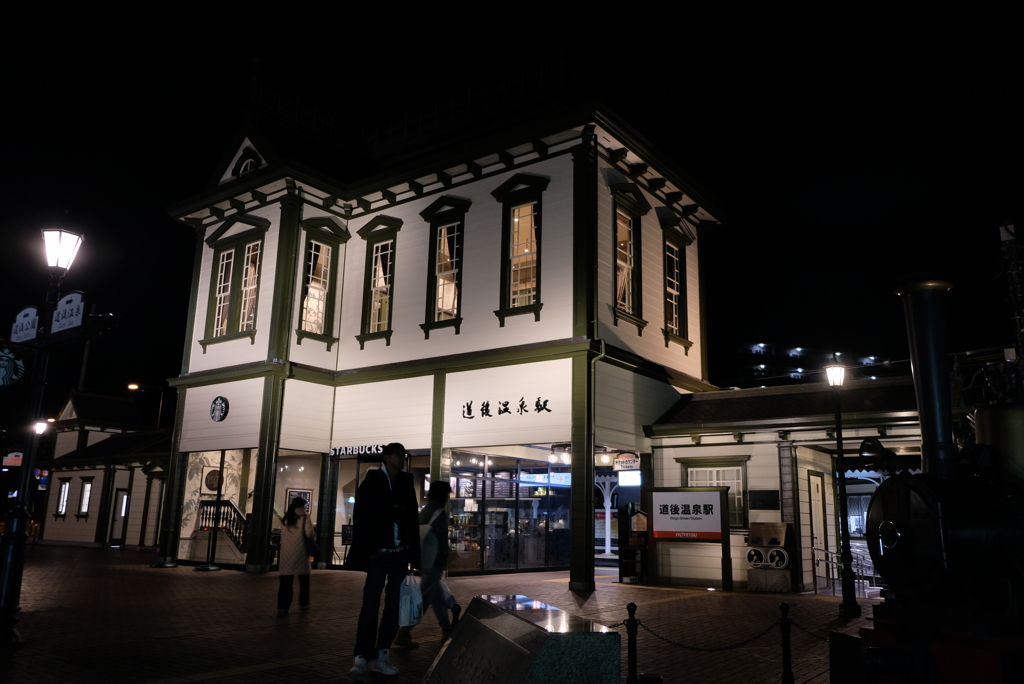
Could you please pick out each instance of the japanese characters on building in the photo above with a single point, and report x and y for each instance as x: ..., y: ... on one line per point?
x: 687, y: 515
x: 499, y: 408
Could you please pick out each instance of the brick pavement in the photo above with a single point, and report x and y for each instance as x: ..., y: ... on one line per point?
x: 103, y: 615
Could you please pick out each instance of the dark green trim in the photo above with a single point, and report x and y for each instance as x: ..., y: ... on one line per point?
x: 258, y: 557
x: 534, y: 309
x: 676, y: 339
x: 237, y: 245
x: 106, y: 499
x: 584, y: 236
x: 259, y: 225
x: 245, y: 371
x: 701, y: 262
x: 190, y: 323
x: 383, y: 335
x: 282, y: 319
x: 145, y: 510
x: 888, y: 418
x: 327, y: 498
x: 251, y: 334
x: 444, y: 211
x: 581, y: 559
x: 623, y: 358
x: 448, y: 323
x: 519, y: 190
x: 628, y: 199
x: 328, y: 239
x: 128, y: 512
x: 527, y: 353
x: 326, y: 224
x: 672, y: 237
x: 438, y: 469
x: 301, y: 334
x: 381, y: 229
x: 170, y: 518
x: 630, y: 318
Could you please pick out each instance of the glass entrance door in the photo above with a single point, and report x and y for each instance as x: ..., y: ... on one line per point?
x: 508, y: 513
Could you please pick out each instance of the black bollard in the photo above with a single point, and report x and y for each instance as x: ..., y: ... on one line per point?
x: 456, y: 612
x: 631, y: 625
x: 787, y: 665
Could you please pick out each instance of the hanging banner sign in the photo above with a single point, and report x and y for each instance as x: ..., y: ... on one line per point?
x: 68, y: 313
x: 627, y: 462
x: 13, y: 458
x: 26, y: 323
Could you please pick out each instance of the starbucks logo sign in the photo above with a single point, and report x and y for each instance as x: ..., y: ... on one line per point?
x: 11, y: 367
x: 219, y: 409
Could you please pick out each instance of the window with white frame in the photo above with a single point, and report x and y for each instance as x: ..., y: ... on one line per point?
x: 62, y: 498
x: 720, y: 472
x: 234, y: 283
x: 630, y: 206
x: 625, y: 262
x: 446, y: 216
x: 447, y: 271
x: 522, y: 245
x: 523, y: 253
x: 250, y: 279
x: 223, y: 293
x: 379, y: 279
x: 237, y: 288
x: 675, y: 323
x: 380, y: 286
x: 83, y: 502
x: 317, y: 285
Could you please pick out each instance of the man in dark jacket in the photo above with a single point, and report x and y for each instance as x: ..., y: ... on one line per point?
x: 385, y: 542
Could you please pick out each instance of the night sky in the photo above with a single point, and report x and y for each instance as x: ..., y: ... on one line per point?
x: 845, y: 152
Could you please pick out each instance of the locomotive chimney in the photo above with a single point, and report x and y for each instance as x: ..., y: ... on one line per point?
x: 925, y: 308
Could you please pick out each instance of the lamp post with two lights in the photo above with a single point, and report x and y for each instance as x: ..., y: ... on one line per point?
x: 61, y: 248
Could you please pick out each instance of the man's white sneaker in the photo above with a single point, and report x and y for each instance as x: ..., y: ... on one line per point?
x: 358, y: 671
x: 383, y: 664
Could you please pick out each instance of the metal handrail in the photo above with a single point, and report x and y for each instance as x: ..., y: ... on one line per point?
x: 863, y: 570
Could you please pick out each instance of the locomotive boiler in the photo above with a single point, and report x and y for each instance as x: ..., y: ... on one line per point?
x: 948, y: 542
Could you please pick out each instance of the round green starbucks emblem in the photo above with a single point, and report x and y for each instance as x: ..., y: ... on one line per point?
x: 219, y: 409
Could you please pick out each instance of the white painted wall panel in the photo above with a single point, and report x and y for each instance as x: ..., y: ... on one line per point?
x: 241, y: 428
x: 481, y: 273
x: 70, y: 529
x: 626, y: 401
x: 651, y: 343
x: 550, y: 381
x: 66, y: 443
x: 306, y: 420
x: 243, y: 350
x: 95, y: 436
x: 382, y: 412
x: 313, y: 352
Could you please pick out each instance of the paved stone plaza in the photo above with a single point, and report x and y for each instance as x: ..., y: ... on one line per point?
x: 103, y: 615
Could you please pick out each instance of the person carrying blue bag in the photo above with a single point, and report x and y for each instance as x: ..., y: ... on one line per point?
x: 433, y: 561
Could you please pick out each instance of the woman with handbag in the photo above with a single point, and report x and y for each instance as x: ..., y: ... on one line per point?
x: 433, y: 562
x: 293, y: 558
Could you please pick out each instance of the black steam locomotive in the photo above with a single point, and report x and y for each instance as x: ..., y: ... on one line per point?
x: 948, y: 543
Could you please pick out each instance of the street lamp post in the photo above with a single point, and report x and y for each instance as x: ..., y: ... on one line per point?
x: 61, y: 248
x: 135, y: 387
x: 849, y: 607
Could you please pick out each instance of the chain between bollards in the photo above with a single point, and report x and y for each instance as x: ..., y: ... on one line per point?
x: 787, y: 664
